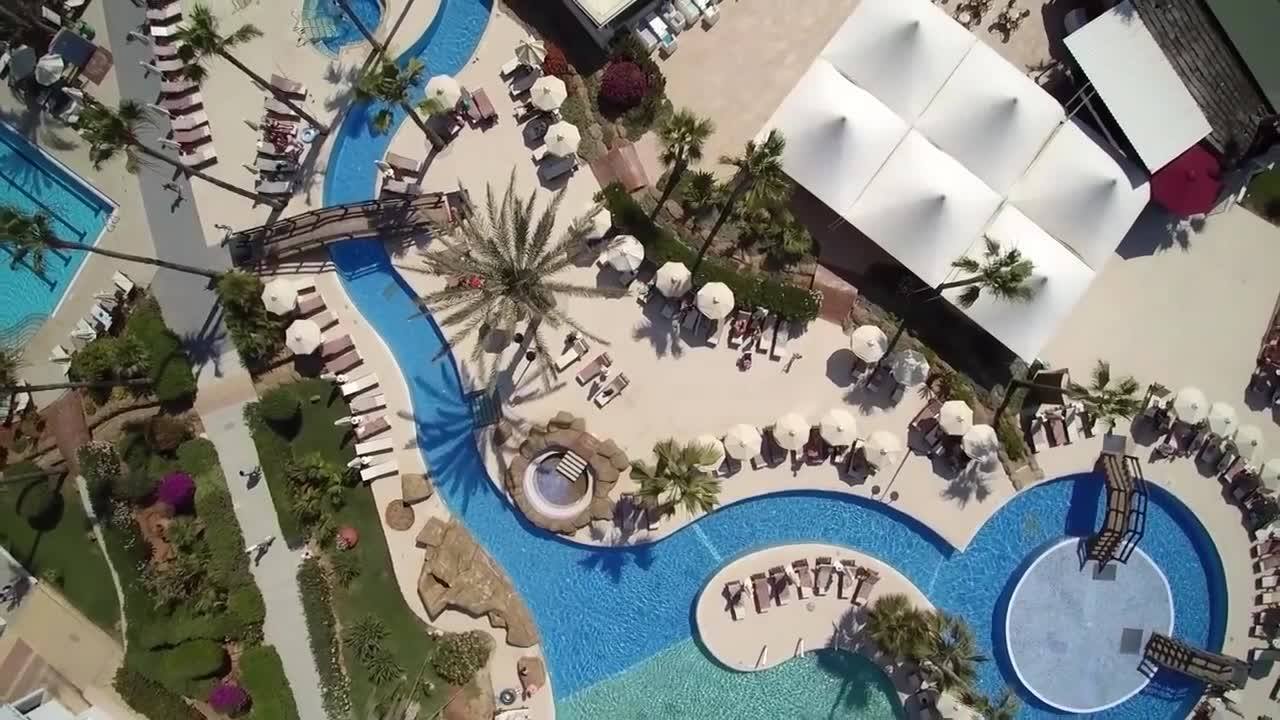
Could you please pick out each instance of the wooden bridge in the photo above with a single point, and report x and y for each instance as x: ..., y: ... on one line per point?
x: 387, y: 218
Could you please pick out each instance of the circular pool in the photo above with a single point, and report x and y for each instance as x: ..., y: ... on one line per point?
x: 1075, y: 632
x: 554, y: 492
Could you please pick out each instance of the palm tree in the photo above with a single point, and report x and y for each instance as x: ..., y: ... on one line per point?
x: 11, y: 362
x: 201, y: 41
x: 700, y: 192
x: 759, y: 180
x: 952, y: 654
x: 1104, y: 401
x: 30, y: 236
x: 378, y: 47
x: 1004, y: 274
x: 387, y: 83
x: 682, y: 138
x: 898, y: 627
x: 502, y: 269
x: 1003, y: 707
x: 679, y: 479
x: 113, y: 131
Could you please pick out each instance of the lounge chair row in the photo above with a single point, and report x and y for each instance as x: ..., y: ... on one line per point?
x: 400, y: 175
x: 853, y: 583
x: 179, y: 96
x: 658, y: 30
x: 598, y: 368
x: 281, y: 144
x: 99, y: 320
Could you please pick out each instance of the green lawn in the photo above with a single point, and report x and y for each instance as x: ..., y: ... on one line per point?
x: 1264, y: 195
x: 62, y: 549
x: 375, y: 591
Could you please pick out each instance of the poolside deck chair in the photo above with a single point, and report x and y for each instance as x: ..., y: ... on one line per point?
x: 104, y: 319
x: 343, y: 362
x: 309, y: 304
x: 781, y: 585
x: 521, y: 83
x: 201, y: 156
x: 592, y: 369
x: 168, y: 12
x: 816, y: 450
x: 189, y: 121
x: 848, y: 579
x: 162, y: 31
x: 572, y: 354
x: 287, y: 86
x: 715, y: 332
x: 177, y: 87
x: 168, y: 64
x: 735, y: 597
x: 823, y: 573
x: 612, y: 390
x: 369, y: 474
x: 1263, y: 548
x: 1271, y: 562
x: 337, y: 345
x: 275, y: 107
x: 192, y: 136
x: 367, y: 430
x: 368, y: 403
x: 1267, y: 582
x: 169, y: 50
x: 760, y: 592
x: 59, y: 354
x: 274, y: 165
x: 1258, y: 655
x: 688, y: 11
x: 710, y: 13
x: 124, y: 282
x: 375, y: 447
x: 396, y: 186
x: 781, y: 339
x: 359, y: 385
x: 555, y: 166
x: 868, y: 582
x: 804, y: 578
x: 666, y: 39
x: 763, y: 345
x: 274, y: 187
x: 403, y: 165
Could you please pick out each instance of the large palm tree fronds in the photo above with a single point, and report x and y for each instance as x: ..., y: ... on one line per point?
x: 1104, y: 400
x: 201, y: 39
x: 388, y: 84
x: 26, y: 235
x: 898, y: 627
x: 760, y: 174
x: 1005, y: 274
x: 111, y: 131
x: 678, y: 478
x: 682, y: 138
x: 952, y: 654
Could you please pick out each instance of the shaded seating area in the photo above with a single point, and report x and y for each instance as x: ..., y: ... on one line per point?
x: 1219, y: 671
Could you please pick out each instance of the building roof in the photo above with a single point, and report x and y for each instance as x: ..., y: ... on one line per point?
x: 1252, y: 27
x: 1140, y: 88
x: 1213, y: 73
x: 601, y: 12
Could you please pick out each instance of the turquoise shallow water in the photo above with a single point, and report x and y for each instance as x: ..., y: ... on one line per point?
x: 679, y: 683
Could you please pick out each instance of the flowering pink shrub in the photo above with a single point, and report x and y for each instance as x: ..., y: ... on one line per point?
x: 178, y: 491
x: 624, y: 85
x: 228, y: 698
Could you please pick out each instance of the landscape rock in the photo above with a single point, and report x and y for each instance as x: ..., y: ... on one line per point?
x: 533, y: 674
x: 432, y: 534
x: 415, y: 487
x: 398, y: 515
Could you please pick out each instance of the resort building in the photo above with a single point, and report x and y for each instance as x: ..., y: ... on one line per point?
x: 603, y: 19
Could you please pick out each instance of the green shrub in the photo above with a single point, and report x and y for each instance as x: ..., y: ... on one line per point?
x: 279, y: 406
x: 262, y: 674
x: 171, y: 378
x: 134, y: 486
x: 459, y: 656
x: 228, y: 563
x: 382, y: 667
x: 195, y: 659
x: 178, y: 630
x: 365, y: 636
x: 95, y: 362
x: 246, y: 612
x: 257, y: 334
x: 152, y: 699
x: 165, y: 433
x: 313, y: 587
x: 1011, y: 439
x: 101, y: 467
x: 38, y: 500
x: 197, y: 456
x: 346, y: 567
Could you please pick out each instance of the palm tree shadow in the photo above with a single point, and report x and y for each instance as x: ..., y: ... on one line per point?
x: 613, y: 561
x: 663, y: 334
x: 206, y: 345
x: 971, y: 483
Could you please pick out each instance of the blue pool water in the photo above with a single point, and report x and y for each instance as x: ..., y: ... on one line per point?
x: 330, y: 29
x: 32, y: 182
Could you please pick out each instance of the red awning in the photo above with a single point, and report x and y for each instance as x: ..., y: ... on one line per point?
x: 1190, y: 184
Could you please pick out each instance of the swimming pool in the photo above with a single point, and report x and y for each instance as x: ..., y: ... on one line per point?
x: 32, y: 181
x: 330, y: 29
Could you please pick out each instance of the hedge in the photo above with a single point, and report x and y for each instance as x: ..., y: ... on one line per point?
x: 151, y: 698
x: 335, y: 688
x: 171, y: 376
x: 262, y: 675
x: 750, y: 289
x: 279, y: 406
x: 179, y: 630
x: 195, y: 659
x: 246, y: 612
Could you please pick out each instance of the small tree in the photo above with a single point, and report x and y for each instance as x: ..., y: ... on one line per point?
x: 257, y: 334
x: 682, y: 138
x: 1006, y: 274
x: 279, y: 406
x: 623, y: 86
x: 679, y: 478
x: 459, y: 656
x: 1104, y: 400
x: 898, y: 627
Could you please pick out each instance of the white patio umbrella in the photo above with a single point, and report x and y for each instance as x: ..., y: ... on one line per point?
x: 882, y: 448
x: 715, y: 300
x: 280, y: 296
x: 1248, y: 441
x: 548, y: 92
x: 673, y: 279
x: 563, y: 138
x: 1222, y: 418
x: 791, y: 431
x: 1269, y: 475
x: 710, y: 440
x: 49, y: 69
x: 627, y: 254
x: 910, y: 368
x: 1190, y: 405
x: 302, y: 337
x: 868, y: 343
x: 742, y: 442
x: 955, y: 417
x: 444, y: 90
x: 531, y: 51
x: 838, y: 427
x: 980, y: 442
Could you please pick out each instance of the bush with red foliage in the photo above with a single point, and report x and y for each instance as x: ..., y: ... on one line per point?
x: 623, y: 86
x: 178, y: 491
x: 555, y: 63
x: 228, y: 698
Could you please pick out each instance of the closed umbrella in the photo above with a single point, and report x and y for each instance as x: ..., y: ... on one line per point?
x: 882, y: 448
x: 980, y: 441
x: 531, y: 51
x: 1190, y: 405
x: 742, y: 442
x: 711, y: 441
x: 563, y: 139
x: 444, y: 90
x: 715, y: 300
x: 49, y: 69
x: 302, y: 337
x: 838, y: 427
x: 673, y: 279
x: 548, y: 93
x: 1269, y: 475
x: 910, y: 368
x: 868, y: 343
x: 1248, y: 441
x: 280, y: 296
x: 791, y: 431
x: 955, y: 417
x: 1222, y: 418
x: 22, y: 63
x: 627, y: 254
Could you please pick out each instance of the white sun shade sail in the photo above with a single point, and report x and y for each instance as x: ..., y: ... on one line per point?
x: 838, y: 135
x: 1059, y: 280
x: 1082, y: 195
x: 991, y: 117
x: 900, y: 50
x: 924, y: 208
x: 1139, y: 86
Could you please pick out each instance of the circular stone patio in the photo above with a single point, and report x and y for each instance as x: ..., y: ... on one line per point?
x: 1075, y: 636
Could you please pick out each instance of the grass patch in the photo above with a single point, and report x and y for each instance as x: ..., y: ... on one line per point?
x: 61, y: 549
x: 262, y: 675
x: 1264, y: 195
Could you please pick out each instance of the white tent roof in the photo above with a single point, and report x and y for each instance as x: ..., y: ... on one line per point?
x: 924, y: 207
x: 1081, y: 194
x: 901, y: 51
x: 991, y: 117
x: 838, y: 135
x: 1061, y: 279
x: 1139, y: 86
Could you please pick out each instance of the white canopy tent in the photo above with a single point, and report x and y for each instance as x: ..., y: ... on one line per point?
x: 924, y: 207
x: 991, y: 117
x: 901, y: 51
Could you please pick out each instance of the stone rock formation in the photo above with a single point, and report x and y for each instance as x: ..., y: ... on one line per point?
x: 606, y: 460
x: 414, y: 488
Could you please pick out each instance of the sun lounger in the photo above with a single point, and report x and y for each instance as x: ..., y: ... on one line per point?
x: 199, y: 156
x: 402, y: 164
x: 1267, y: 582
x: 509, y: 67
x: 710, y: 13
x: 310, y: 303
x: 343, y: 362
x: 177, y: 87
x: 764, y: 338
x: 688, y: 11
x: 804, y: 578
x: 84, y: 331
x: 124, y: 282
x: 572, y: 354
x: 165, y: 13
x: 275, y: 107
x: 178, y: 103
x: 368, y: 403
x: 370, y: 474
x: 168, y: 65
x: 847, y: 579
x: 374, y: 447
x: 367, y: 430
x: 1268, y: 598
x: 166, y: 51
x: 324, y: 320
x: 734, y: 595
x: 612, y: 390
x: 520, y: 84
x: 274, y: 187
x: 1270, y: 562
x: 189, y: 121
x: 1266, y: 547
x: 760, y: 591
x: 396, y: 186
x: 1260, y: 655
x: 555, y: 166
x: 163, y: 31
x: 359, y: 385
x: 271, y: 165
x: 647, y: 37
x: 335, y: 346
x: 103, y: 318
x: 863, y: 594
x: 781, y: 583
x: 666, y: 39
x: 287, y: 86
x: 593, y: 368
x: 1057, y: 429
x: 192, y: 136
x: 823, y: 572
